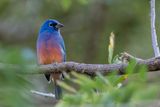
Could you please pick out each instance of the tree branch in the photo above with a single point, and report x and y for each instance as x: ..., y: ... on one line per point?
x: 91, y: 69
x: 153, y: 30
x: 152, y: 64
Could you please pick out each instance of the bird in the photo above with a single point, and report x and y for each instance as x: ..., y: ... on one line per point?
x: 51, y: 49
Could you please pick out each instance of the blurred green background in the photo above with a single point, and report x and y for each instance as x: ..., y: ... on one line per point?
x: 88, y: 24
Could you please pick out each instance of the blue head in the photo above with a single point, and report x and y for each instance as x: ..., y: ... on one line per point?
x: 51, y: 25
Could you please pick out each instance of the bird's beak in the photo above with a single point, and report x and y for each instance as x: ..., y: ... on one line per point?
x: 59, y: 25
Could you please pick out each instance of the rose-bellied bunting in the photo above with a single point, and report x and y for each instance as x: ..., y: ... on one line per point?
x: 51, y: 49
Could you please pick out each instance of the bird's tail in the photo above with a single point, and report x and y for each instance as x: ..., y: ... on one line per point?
x: 57, y: 91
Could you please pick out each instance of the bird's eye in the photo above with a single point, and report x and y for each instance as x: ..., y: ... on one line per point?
x: 52, y: 24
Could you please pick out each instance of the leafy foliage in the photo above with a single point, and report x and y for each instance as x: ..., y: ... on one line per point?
x: 113, y: 90
x: 105, y: 90
x: 14, y: 91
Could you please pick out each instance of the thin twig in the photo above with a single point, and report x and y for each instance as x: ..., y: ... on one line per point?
x: 43, y: 94
x: 153, y: 30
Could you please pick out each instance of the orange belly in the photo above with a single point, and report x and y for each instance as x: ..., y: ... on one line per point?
x: 48, y: 55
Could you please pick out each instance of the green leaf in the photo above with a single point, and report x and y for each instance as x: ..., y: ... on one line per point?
x: 111, y: 47
x: 131, y: 66
x: 67, y: 87
x: 120, y: 79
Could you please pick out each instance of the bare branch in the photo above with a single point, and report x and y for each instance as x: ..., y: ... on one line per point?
x: 152, y: 64
x: 91, y: 69
x: 153, y: 30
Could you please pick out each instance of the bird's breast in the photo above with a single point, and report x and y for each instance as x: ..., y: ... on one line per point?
x: 49, y: 51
